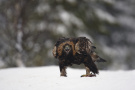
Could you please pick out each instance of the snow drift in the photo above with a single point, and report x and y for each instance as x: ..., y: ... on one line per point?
x: 47, y: 78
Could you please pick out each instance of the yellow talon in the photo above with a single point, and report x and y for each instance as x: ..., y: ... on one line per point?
x: 88, y: 75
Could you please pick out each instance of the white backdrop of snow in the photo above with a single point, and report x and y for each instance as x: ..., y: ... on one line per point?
x: 47, y: 78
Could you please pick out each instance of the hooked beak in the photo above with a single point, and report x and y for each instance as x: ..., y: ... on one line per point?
x: 67, y: 51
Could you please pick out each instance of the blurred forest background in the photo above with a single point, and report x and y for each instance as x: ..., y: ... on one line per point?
x: 30, y: 28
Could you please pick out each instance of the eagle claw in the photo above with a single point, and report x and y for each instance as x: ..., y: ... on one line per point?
x: 89, y: 75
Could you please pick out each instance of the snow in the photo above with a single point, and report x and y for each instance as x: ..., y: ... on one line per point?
x: 47, y: 78
x: 104, y: 15
x: 69, y: 18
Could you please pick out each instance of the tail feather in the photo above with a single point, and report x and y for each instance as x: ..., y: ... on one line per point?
x: 101, y: 60
x: 93, y: 47
x: 96, y: 58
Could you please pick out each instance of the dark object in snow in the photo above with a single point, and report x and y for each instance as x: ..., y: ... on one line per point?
x: 76, y: 51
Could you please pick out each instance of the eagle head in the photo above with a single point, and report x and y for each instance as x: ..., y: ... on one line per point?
x: 67, y: 49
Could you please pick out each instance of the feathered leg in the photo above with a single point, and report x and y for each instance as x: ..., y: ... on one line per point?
x: 90, y: 66
x: 62, y: 70
x: 87, y: 70
x: 88, y: 74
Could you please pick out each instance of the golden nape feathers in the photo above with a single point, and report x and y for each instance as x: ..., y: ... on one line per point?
x: 76, y: 51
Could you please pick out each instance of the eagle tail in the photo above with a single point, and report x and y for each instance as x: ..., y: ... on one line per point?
x: 96, y: 58
x: 101, y: 60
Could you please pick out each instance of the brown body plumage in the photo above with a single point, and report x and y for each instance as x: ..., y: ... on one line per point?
x: 76, y: 51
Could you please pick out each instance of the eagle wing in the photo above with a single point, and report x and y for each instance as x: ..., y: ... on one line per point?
x: 57, y: 50
x: 85, y: 46
x: 54, y: 51
x: 80, y: 45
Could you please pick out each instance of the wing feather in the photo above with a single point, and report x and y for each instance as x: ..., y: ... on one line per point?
x: 77, y: 48
x: 89, y: 46
x: 54, y: 51
x: 80, y: 45
x: 83, y: 45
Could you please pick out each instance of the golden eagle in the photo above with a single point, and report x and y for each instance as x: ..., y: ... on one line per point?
x: 76, y: 51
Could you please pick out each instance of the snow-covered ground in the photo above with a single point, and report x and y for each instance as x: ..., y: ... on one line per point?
x: 47, y: 78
